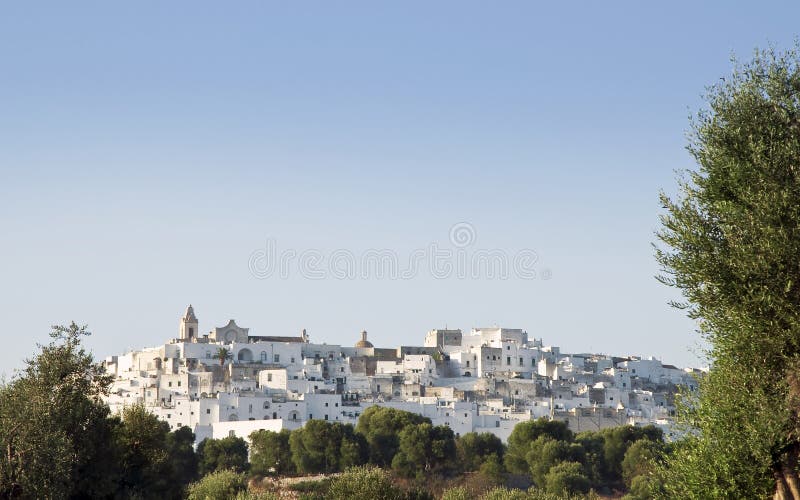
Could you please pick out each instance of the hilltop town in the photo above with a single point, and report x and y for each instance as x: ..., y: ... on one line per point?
x: 231, y: 383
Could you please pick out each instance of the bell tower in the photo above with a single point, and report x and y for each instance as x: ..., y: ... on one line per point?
x: 188, y: 331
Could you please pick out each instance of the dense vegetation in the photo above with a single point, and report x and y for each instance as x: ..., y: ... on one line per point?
x: 731, y: 246
x: 59, y: 440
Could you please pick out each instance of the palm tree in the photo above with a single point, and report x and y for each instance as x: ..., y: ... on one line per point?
x: 223, y: 355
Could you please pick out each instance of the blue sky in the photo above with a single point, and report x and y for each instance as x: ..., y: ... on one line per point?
x: 148, y: 149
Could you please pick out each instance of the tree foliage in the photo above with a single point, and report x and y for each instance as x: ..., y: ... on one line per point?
x: 546, y: 453
x: 642, y: 459
x: 425, y: 449
x: 524, y: 434
x: 322, y: 446
x: 151, y: 459
x: 218, y: 485
x: 616, y: 442
x: 731, y: 240
x: 475, y: 448
x: 54, y: 429
x: 228, y: 453
x: 270, y: 452
x: 59, y: 440
x: 566, y: 478
x: 364, y: 483
x: 381, y: 427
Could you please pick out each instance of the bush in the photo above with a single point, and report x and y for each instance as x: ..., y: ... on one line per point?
x: 364, y: 483
x: 502, y: 493
x: 492, y: 471
x: 566, y: 478
x: 219, y: 485
x: 645, y: 488
x: 534, y: 494
x: 321, y: 486
x: 249, y: 495
x: 457, y: 493
x: 641, y: 459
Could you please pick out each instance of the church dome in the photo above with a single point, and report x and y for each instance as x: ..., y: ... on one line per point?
x: 364, y: 343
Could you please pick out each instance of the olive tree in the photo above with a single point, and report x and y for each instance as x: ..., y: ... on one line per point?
x: 730, y: 243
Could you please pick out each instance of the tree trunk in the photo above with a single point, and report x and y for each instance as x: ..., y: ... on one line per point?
x: 790, y: 474
x: 787, y: 481
x: 781, y: 490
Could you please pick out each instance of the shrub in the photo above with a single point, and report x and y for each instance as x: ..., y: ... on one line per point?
x: 364, y: 483
x: 566, y: 478
x: 456, y: 493
x: 321, y: 486
x: 219, y: 485
x: 502, y: 493
x: 249, y: 495
x: 491, y: 471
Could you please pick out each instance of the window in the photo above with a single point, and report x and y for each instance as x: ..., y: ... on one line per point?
x: 231, y: 434
x: 274, y: 414
x: 191, y: 332
x: 521, y: 362
x: 263, y: 356
x: 292, y: 359
x: 467, y: 363
x: 208, y: 411
x: 508, y: 360
x: 508, y: 348
x: 310, y: 416
x: 326, y: 416
x: 326, y: 405
x: 277, y: 358
x: 269, y: 377
x: 341, y: 369
x: 170, y: 384
x: 250, y: 409
x: 179, y: 383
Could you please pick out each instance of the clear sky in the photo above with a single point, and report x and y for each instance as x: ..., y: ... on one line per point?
x: 148, y: 149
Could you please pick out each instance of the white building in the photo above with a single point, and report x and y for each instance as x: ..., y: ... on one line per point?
x: 230, y: 383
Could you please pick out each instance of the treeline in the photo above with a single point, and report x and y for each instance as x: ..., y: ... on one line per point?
x: 556, y: 460
x: 59, y: 440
